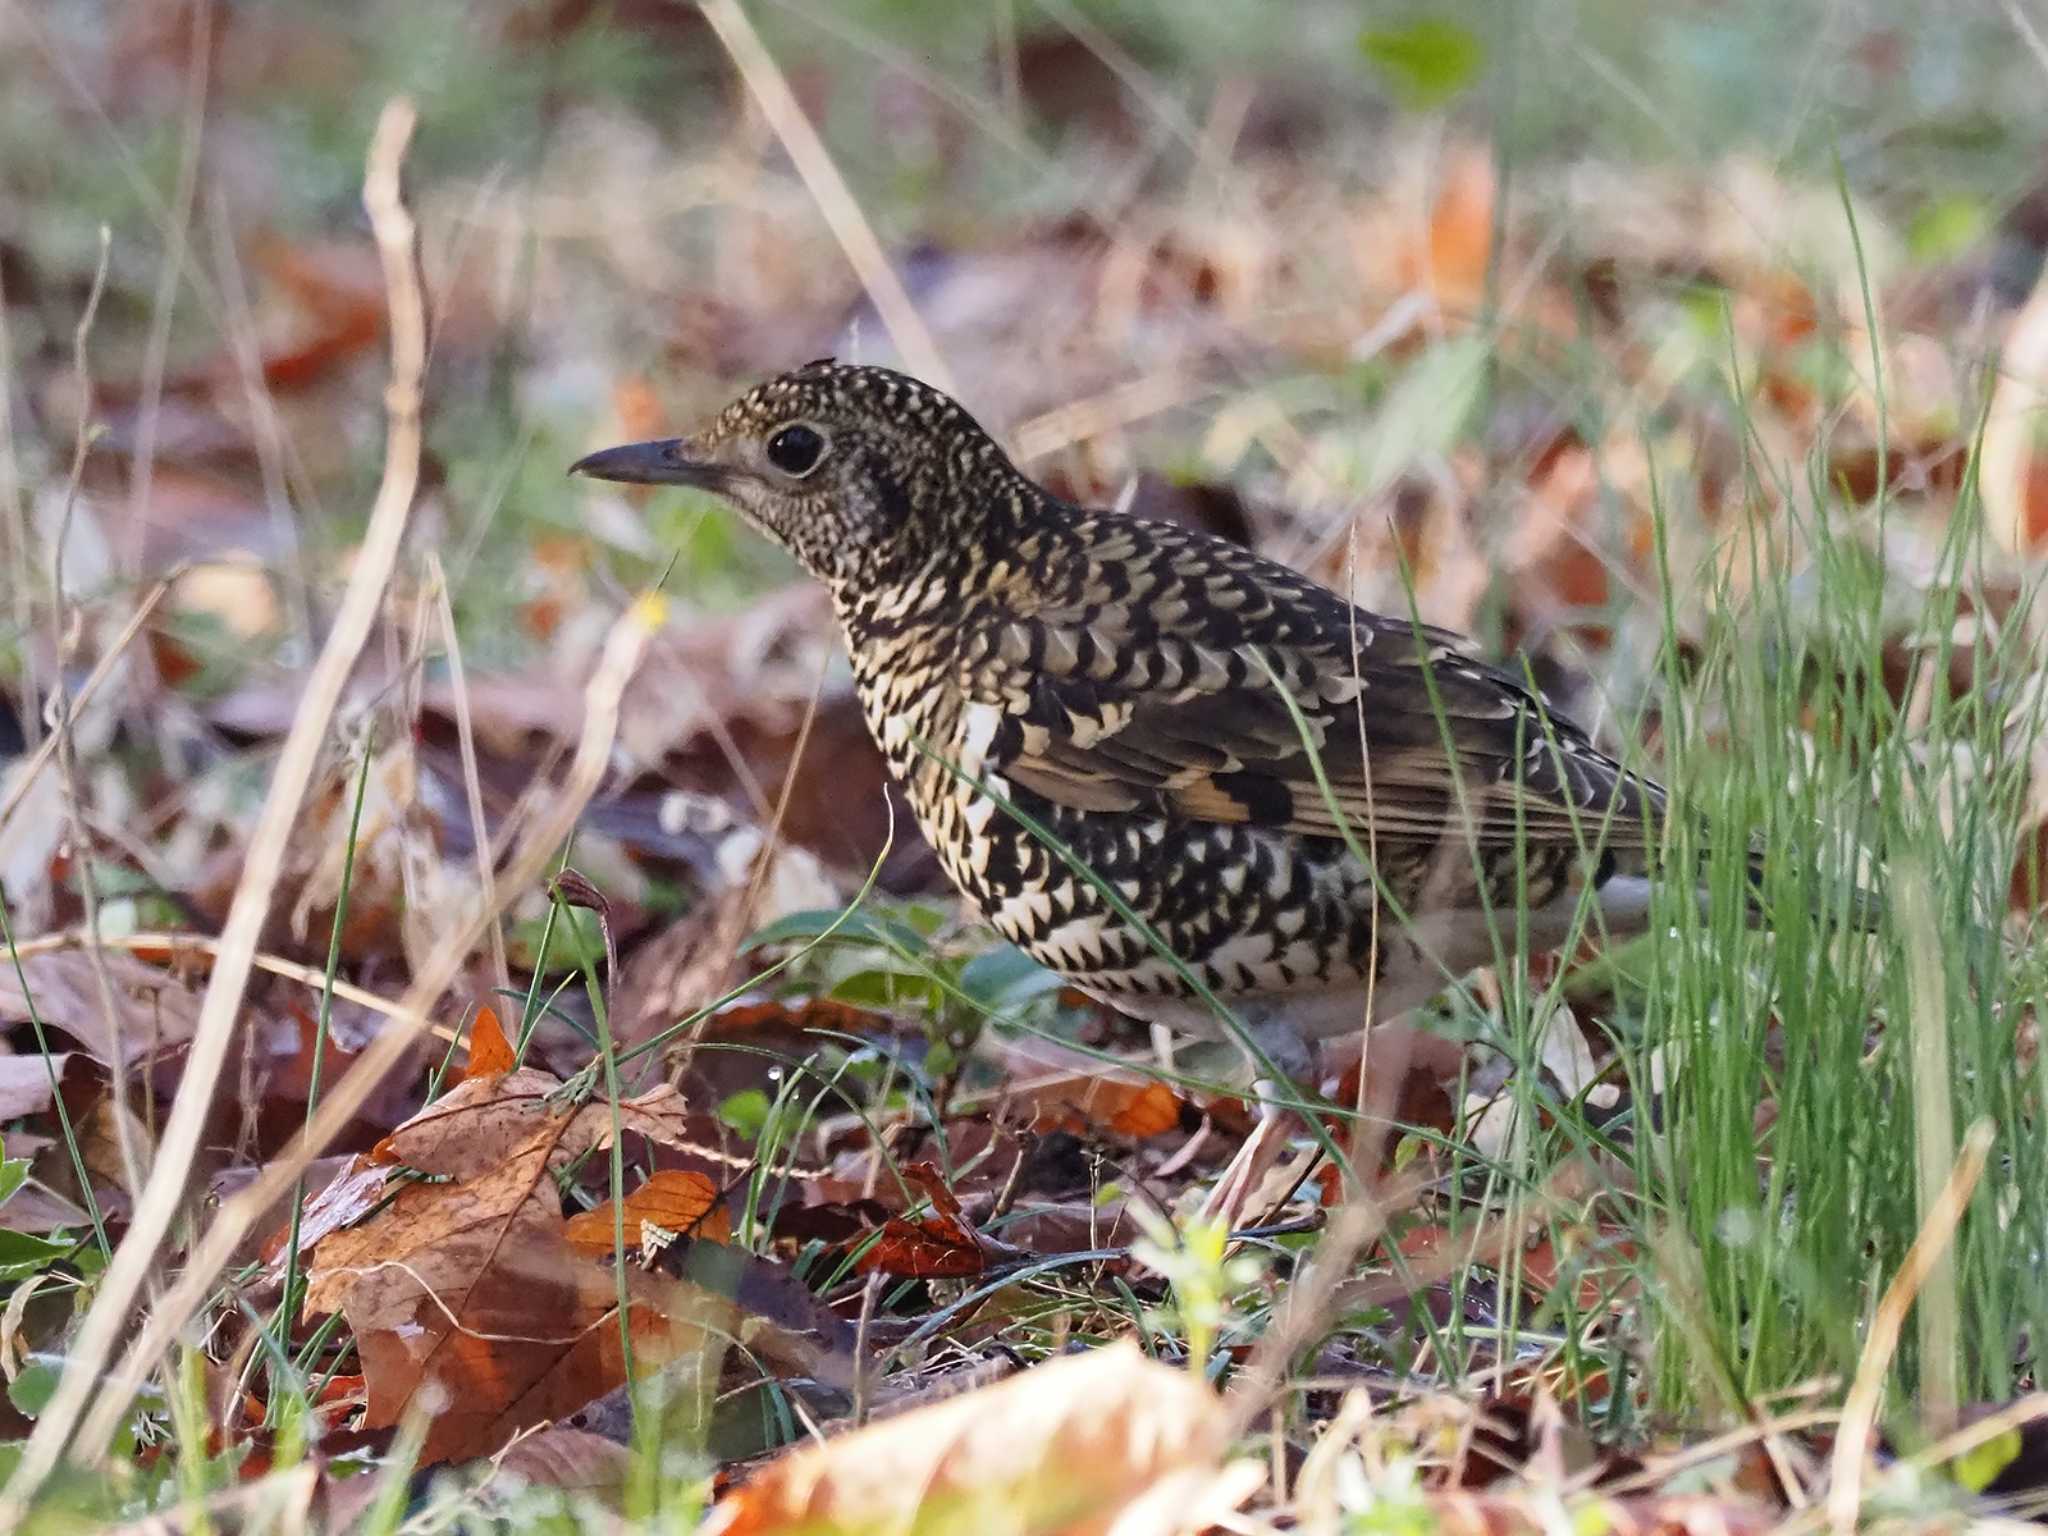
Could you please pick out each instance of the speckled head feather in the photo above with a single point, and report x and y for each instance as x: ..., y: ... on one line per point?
x: 862, y: 473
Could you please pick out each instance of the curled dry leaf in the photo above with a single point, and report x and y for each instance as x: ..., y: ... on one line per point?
x: 155, y: 1010
x: 1074, y: 1446
x: 350, y: 1196
x: 942, y: 1246
x: 569, y: 1459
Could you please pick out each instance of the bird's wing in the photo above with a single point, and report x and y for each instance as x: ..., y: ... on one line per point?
x: 1175, y: 699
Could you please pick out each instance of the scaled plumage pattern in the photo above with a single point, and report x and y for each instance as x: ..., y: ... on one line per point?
x: 1160, y: 701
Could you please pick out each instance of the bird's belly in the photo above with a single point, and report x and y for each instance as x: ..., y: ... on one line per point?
x: 1268, y: 923
x: 1241, y: 910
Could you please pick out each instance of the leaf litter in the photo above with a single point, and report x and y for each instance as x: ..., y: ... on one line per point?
x: 908, y: 1160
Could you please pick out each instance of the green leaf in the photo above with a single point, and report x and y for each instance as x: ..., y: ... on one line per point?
x: 1424, y: 413
x: 746, y: 1112
x: 1946, y: 228
x: 1406, y: 1150
x: 13, y: 1173
x: 1425, y: 62
x: 570, y: 946
x: 883, y: 989
x: 857, y: 928
x: 1001, y: 979
x: 1976, y: 1467
x: 30, y: 1392
x: 22, y: 1254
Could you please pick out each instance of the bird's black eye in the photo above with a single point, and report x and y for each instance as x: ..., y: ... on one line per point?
x: 796, y: 450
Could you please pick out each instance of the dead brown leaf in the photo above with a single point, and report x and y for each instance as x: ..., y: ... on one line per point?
x: 1067, y: 1447
x: 471, y: 1289
x: 944, y: 1245
x: 569, y: 1459
x: 470, y: 1286
x: 1064, y: 1090
x: 482, y: 1122
x: 156, y: 1010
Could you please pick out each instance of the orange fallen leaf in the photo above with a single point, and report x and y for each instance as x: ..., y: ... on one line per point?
x: 922, y: 1250
x: 820, y: 1013
x: 1064, y: 1091
x: 2036, y: 501
x: 1450, y: 262
x: 674, y: 1199
x: 1152, y: 1111
x: 490, y: 1053
x: 1599, y: 1264
x: 638, y: 407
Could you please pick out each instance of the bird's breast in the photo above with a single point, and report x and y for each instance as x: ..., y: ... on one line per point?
x: 935, y: 743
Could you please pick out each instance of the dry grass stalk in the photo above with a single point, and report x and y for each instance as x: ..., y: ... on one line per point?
x: 62, y: 735
x: 472, y: 784
x: 828, y: 189
x: 164, y: 1194
x: 624, y: 647
x: 184, y: 948
x: 1859, y: 1413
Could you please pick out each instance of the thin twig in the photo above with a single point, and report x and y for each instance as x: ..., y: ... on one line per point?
x: 177, y: 231
x: 764, y: 857
x: 2028, y: 34
x: 1140, y: 399
x: 870, y: 1293
x: 1961, y: 1442
x: 829, y: 191
x: 64, y: 716
x: 1662, y: 1470
x: 157, y: 348
x: 472, y: 783
x: 16, y: 547
x: 135, y: 1260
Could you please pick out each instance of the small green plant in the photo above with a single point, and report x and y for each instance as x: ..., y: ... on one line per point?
x: 1203, y: 1275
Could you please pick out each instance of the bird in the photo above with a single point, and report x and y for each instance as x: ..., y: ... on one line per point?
x: 1202, y: 787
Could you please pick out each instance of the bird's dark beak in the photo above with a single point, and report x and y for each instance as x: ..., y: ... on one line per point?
x: 667, y: 462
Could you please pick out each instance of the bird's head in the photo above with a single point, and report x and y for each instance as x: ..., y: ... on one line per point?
x: 861, y: 473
